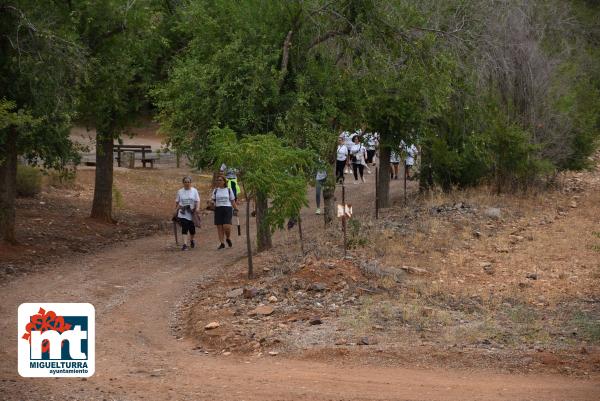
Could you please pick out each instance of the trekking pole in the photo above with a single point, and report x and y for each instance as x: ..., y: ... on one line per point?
x: 344, y: 218
x: 376, y: 192
x: 405, y: 184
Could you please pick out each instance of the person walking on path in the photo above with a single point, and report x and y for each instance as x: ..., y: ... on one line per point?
x: 341, y: 160
x: 394, y: 164
x: 358, y: 154
x: 231, y: 176
x: 225, y: 205
x: 186, y: 204
x: 319, y: 184
x: 372, y: 143
x: 411, y: 155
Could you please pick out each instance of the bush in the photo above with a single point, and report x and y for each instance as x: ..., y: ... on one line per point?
x: 29, y: 181
x: 62, y: 178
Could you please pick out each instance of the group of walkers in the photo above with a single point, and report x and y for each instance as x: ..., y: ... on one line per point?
x: 222, y: 202
x: 355, y: 153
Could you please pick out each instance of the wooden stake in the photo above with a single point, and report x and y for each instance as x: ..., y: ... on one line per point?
x: 376, y: 192
x: 344, y: 219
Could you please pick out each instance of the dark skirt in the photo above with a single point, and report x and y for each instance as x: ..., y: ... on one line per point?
x: 223, y: 215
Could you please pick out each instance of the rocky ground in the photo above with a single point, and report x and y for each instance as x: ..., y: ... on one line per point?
x: 467, y: 280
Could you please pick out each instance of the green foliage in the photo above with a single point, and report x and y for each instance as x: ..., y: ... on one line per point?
x: 117, y: 195
x: 356, y: 236
x: 40, y: 68
x: 265, y: 166
x: 63, y: 178
x: 588, y: 325
x: 124, y: 41
x: 29, y: 181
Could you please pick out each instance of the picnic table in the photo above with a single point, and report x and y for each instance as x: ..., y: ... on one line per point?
x: 146, y: 150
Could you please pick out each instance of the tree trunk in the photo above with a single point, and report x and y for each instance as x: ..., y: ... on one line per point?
x: 329, y: 201
x: 8, y: 188
x: 102, y: 205
x: 263, y: 232
x: 426, y: 171
x: 383, y: 191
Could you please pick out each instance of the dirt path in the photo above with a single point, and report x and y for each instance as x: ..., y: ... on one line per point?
x: 136, y: 288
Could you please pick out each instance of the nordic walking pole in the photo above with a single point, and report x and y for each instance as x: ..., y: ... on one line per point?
x: 175, y: 230
x: 344, y: 217
x: 376, y: 192
x: 405, y: 183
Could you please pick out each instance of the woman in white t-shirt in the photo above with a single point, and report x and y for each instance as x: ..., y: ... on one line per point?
x: 358, y: 154
x: 411, y: 154
x: 186, y: 203
x: 341, y: 160
x: 224, y: 201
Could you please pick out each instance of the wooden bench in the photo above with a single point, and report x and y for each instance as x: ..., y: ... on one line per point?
x: 146, y: 151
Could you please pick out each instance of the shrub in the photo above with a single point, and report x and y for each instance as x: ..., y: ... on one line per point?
x: 29, y: 181
x: 62, y: 178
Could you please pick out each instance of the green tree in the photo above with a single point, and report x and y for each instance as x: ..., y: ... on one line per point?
x: 125, y: 43
x: 41, y: 65
x: 266, y: 166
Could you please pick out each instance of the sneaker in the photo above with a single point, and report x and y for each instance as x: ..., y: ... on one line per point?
x: 222, y: 246
x: 192, y: 244
x: 229, y: 242
x: 355, y: 182
x: 184, y: 247
x: 318, y: 211
x: 363, y: 180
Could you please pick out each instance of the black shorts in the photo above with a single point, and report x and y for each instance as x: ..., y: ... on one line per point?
x: 370, y: 155
x: 223, y: 215
x: 187, y: 225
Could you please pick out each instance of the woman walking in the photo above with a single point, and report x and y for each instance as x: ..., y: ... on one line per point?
x: 358, y: 155
x: 186, y: 203
x: 341, y: 160
x: 224, y: 202
x: 320, y: 179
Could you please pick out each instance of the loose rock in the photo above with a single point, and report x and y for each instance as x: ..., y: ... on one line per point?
x: 263, y: 310
x: 493, y: 213
x: 234, y: 293
x: 315, y: 320
x: 415, y: 270
x: 212, y: 325
x: 317, y: 287
x: 367, y: 341
x: 249, y: 292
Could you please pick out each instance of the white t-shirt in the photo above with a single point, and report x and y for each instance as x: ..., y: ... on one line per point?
x: 223, y: 197
x: 321, y: 175
x: 358, y: 151
x: 342, y: 152
x: 394, y: 157
x: 371, y: 141
x: 411, y: 153
x: 187, y: 197
x: 347, y: 137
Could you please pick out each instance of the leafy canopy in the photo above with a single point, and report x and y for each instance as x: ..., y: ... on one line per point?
x: 266, y: 166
